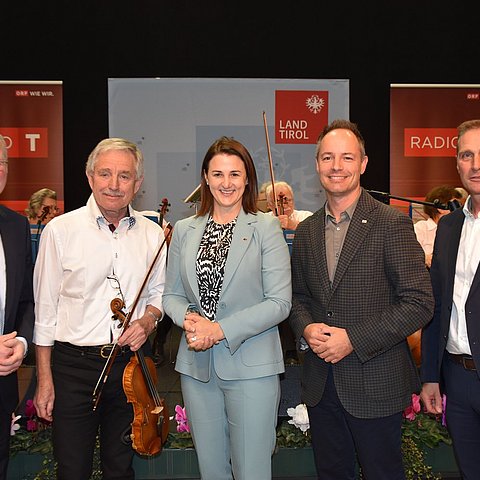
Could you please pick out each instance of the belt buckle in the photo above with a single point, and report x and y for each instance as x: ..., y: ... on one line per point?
x: 102, y: 351
x: 464, y: 363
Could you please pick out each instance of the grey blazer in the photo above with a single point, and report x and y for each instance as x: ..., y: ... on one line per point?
x: 381, y: 293
x: 255, y: 297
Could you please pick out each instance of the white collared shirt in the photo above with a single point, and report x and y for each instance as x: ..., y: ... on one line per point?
x: 425, y: 230
x: 77, y: 255
x: 467, y: 263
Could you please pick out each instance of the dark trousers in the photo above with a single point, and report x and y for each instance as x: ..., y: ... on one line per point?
x: 338, y: 437
x: 462, y: 388
x: 5, y: 422
x: 75, y: 424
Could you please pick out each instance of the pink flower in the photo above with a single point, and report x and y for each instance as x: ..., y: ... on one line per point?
x: 411, y: 412
x: 444, y: 406
x: 14, y: 426
x: 182, y: 420
x: 30, y: 410
x: 32, y: 425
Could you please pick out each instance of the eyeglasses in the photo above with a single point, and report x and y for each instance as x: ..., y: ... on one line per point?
x: 51, y: 208
x: 115, y: 284
x: 3, y: 164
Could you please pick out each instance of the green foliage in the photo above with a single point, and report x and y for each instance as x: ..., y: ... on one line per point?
x: 179, y: 440
x: 289, y: 436
x: 425, y: 430
x: 414, y: 461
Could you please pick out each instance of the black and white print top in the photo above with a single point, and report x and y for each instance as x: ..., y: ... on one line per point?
x: 211, y: 259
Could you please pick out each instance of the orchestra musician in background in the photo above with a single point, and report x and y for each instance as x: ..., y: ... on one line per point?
x: 42, y: 207
x: 284, y: 206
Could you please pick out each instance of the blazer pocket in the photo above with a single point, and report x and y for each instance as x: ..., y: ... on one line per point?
x: 385, y: 378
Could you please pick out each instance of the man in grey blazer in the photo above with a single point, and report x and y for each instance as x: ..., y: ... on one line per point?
x: 360, y: 287
x: 16, y: 308
x: 451, y: 342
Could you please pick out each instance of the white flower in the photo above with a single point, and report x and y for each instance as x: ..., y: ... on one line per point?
x: 299, y: 416
x: 14, y: 426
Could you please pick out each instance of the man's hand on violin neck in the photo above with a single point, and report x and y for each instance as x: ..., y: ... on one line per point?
x: 137, y: 332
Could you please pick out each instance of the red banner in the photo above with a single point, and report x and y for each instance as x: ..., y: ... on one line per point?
x: 31, y: 120
x: 300, y: 115
x: 423, y: 135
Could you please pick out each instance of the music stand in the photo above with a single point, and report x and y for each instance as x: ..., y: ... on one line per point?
x: 194, y: 197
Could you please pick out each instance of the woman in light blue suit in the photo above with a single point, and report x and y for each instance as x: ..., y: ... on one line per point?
x: 228, y: 287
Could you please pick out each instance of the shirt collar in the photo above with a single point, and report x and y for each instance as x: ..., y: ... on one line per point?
x: 97, y: 215
x: 467, y: 208
x: 348, y: 211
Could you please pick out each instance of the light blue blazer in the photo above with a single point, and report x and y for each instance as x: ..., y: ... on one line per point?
x: 255, y: 297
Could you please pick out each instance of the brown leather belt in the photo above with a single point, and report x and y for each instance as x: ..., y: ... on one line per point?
x: 465, y: 360
x: 99, y: 350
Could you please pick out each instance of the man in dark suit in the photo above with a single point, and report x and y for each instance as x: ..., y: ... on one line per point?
x: 360, y: 287
x: 451, y: 343
x: 16, y: 308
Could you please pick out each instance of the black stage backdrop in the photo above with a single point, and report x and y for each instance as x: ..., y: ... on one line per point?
x: 373, y: 44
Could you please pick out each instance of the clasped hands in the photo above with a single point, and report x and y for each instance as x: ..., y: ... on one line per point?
x: 200, y: 333
x: 329, y: 343
x: 12, y: 351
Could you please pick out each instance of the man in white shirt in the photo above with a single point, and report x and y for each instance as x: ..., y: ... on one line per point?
x: 16, y: 308
x: 451, y: 342
x: 88, y: 257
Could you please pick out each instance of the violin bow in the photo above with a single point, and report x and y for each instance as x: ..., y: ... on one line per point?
x: 97, y: 392
x: 270, y: 162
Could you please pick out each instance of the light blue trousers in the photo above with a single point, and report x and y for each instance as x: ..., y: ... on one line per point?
x: 233, y: 425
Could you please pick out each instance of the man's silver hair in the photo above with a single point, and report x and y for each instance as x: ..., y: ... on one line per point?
x: 116, y: 144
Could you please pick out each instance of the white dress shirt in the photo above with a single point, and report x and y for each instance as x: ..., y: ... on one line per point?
x: 467, y: 263
x: 426, y: 230
x: 79, y: 267
x: 297, y: 215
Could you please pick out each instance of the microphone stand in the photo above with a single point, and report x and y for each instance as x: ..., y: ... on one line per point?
x: 452, y: 205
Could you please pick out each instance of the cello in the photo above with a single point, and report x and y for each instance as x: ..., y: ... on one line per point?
x: 150, y: 423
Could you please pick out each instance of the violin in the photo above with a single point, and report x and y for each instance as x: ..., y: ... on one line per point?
x: 281, y: 202
x: 150, y: 422
x: 163, y: 211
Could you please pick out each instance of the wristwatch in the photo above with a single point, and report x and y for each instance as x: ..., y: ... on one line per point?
x: 157, y: 319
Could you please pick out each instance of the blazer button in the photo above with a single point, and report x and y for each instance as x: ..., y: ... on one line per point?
x: 329, y: 314
x: 222, y: 305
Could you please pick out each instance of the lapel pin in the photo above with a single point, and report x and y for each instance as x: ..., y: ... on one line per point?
x: 364, y: 221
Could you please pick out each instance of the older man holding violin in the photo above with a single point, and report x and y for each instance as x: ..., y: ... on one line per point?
x: 87, y: 258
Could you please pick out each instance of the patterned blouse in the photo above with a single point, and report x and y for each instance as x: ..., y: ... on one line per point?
x: 211, y: 259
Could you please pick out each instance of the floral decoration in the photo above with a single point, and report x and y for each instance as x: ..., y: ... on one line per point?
x: 14, y: 425
x: 182, y: 420
x: 299, y: 416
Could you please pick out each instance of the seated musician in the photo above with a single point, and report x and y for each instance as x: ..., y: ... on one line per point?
x: 288, y: 216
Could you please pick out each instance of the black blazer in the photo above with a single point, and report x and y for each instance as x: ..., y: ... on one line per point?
x: 19, y: 316
x: 435, y: 335
x: 381, y: 293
